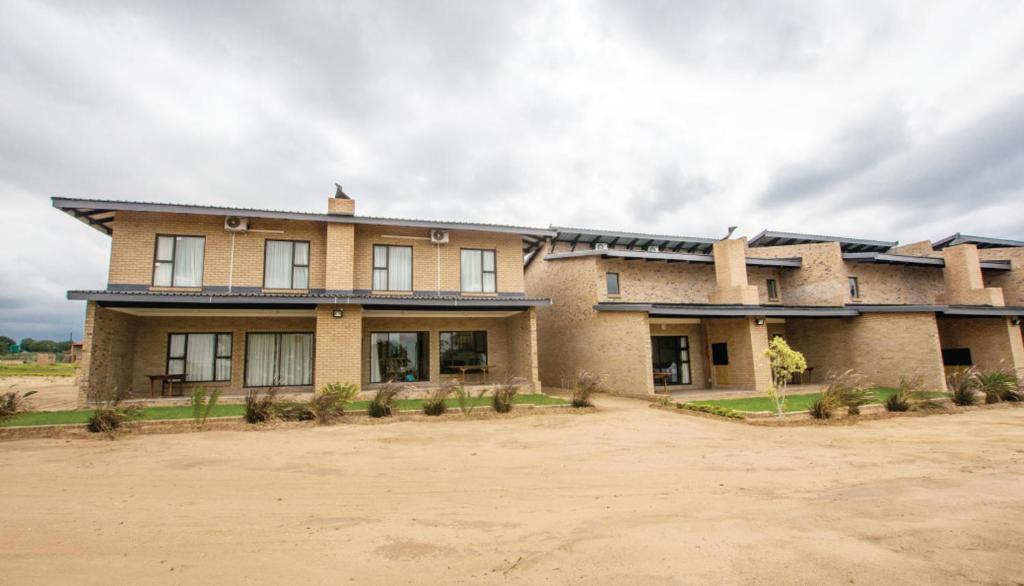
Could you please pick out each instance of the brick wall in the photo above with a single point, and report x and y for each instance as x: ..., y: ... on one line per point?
x: 964, y: 284
x: 425, y: 257
x: 821, y: 279
x: 747, y: 341
x: 650, y: 282
x: 339, y: 345
x: 107, y: 352
x: 994, y: 341
x: 1012, y: 281
x: 895, y: 284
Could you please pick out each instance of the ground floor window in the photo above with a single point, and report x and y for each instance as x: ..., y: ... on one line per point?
x: 671, y: 358
x: 398, y: 356
x: 278, y: 359
x: 956, y: 357
x: 202, y: 358
x: 462, y: 349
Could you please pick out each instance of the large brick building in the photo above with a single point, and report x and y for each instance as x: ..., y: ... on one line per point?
x: 654, y: 312
x: 245, y: 298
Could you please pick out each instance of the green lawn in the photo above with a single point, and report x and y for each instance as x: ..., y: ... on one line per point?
x: 793, y: 402
x: 37, y: 370
x: 237, y: 410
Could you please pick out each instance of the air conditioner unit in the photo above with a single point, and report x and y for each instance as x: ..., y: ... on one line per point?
x: 439, y: 236
x: 653, y: 248
x: 600, y: 246
x: 236, y: 224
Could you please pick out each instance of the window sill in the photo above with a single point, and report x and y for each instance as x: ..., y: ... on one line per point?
x: 285, y: 291
x: 391, y: 293
x: 159, y: 288
x: 614, y: 296
x: 857, y: 300
x: 478, y: 294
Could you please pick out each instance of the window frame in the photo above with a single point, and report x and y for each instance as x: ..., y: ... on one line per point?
x: 291, y: 272
x: 618, y: 284
x: 277, y: 360
x: 440, y: 348
x: 174, y: 259
x: 184, y: 357
x: 772, y: 285
x: 682, y: 342
x: 853, y: 284
x: 422, y: 338
x: 387, y: 269
x: 483, y: 271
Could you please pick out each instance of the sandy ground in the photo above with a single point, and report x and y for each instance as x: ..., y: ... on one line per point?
x: 53, y: 393
x: 627, y: 495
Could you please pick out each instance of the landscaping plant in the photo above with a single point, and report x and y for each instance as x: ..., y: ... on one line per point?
x: 844, y: 389
x: 434, y: 403
x: 785, y: 362
x: 711, y: 409
x: 962, y: 384
x: 464, y: 398
x: 331, y: 401
x: 998, y: 385
x: 260, y: 408
x: 203, y: 404
x: 505, y: 394
x: 906, y: 395
x: 109, y: 415
x: 13, y: 402
x: 381, y: 404
x: 584, y: 384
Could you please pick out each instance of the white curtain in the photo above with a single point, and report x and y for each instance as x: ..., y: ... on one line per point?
x: 260, y: 360
x: 164, y: 261
x: 296, y: 359
x: 224, y: 352
x: 489, y: 273
x: 375, y: 350
x: 472, y: 267
x: 300, y: 274
x: 684, y: 360
x: 400, y: 268
x: 380, y: 272
x: 278, y: 265
x: 176, y: 355
x: 188, y: 261
x: 199, y: 357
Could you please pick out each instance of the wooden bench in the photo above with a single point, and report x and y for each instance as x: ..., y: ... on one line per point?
x: 167, y: 384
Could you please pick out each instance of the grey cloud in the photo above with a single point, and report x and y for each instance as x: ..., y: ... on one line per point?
x: 669, y: 193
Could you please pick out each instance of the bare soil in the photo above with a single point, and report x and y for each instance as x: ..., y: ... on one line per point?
x: 625, y: 495
x: 53, y: 393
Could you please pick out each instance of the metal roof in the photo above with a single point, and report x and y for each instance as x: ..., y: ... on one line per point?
x: 632, y: 240
x: 671, y: 257
x: 917, y: 261
x: 712, y: 310
x: 979, y: 241
x: 771, y: 238
x: 214, y: 299
x: 99, y: 213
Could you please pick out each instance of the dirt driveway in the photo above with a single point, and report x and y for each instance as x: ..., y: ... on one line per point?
x: 629, y: 495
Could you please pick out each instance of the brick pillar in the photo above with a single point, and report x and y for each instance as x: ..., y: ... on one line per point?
x: 338, y: 345
x: 962, y: 276
x: 731, y: 274
x: 522, y: 346
x: 748, y: 366
x: 340, y: 257
x: 108, y: 345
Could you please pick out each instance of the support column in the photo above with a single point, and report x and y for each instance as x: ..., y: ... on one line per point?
x: 745, y: 341
x: 107, y: 361
x: 338, y: 354
x: 731, y: 274
x: 994, y: 342
x: 522, y: 347
x: 963, y: 280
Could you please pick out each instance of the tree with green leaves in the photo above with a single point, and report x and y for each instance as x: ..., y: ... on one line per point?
x: 784, y: 362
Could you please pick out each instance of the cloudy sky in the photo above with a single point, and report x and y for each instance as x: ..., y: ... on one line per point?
x: 896, y: 120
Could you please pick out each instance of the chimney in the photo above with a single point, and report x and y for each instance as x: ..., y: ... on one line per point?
x: 962, y: 276
x: 341, y: 204
x: 731, y: 274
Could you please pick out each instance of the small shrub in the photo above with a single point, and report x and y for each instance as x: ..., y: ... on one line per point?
x: 464, y: 398
x: 260, y: 408
x: 434, y: 403
x: 843, y: 389
x: 294, y: 412
x: 711, y: 409
x: 202, y: 405
x: 505, y: 394
x: 908, y: 391
x: 383, y: 399
x: 331, y: 401
x: 13, y: 402
x: 665, y: 400
x: 998, y: 385
x: 961, y: 385
x: 584, y: 384
x: 109, y: 415
x: 821, y: 409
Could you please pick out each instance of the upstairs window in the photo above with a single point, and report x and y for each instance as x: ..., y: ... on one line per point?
x: 854, y: 287
x: 612, y: 283
x: 478, y: 271
x: 773, y: 290
x: 286, y: 265
x: 179, y: 261
x: 392, y: 268
x: 200, y: 357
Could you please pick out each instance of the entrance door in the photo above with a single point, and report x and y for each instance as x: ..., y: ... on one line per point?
x: 670, y: 358
x: 720, y: 362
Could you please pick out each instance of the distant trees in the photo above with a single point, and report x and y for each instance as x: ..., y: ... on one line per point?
x: 31, y: 345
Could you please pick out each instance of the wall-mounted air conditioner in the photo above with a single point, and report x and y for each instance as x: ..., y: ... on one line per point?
x: 439, y: 236
x: 236, y: 224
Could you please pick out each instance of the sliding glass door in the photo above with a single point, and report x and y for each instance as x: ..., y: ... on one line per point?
x: 398, y: 356
x: 670, y: 356
x: 284, y: 360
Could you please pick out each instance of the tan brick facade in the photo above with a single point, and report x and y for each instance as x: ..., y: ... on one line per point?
x: 993, y: 341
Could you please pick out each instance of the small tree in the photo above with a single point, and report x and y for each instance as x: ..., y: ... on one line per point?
x: 785, y: 362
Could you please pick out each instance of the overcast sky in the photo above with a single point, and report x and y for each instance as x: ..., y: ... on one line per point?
x: 894, y: 120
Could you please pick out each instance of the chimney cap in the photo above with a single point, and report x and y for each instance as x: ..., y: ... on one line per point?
x: 339, y: 193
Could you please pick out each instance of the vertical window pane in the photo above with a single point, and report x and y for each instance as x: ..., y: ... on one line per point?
x: 278, y: 265
x: 300, y: 278
x: 380, y: 257
x: 177, y: 343
x: 188, y: 261
x: 380, y: 279
x: 223, y: 369
x: 176, y: 366
x: 612, y: 282
x: 165, y: 248
x: 472, y: 280
x: 162, y: 274
x: 488, y: 260
x: 400, y: 268
x: 488, y: 283
x: 199, y: 357
x: 295, y: 362
x: 302, y: 253
x: 260, y: 360
x: 224, y: 345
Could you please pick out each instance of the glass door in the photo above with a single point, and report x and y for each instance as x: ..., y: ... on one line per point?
x: 670, y: 357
